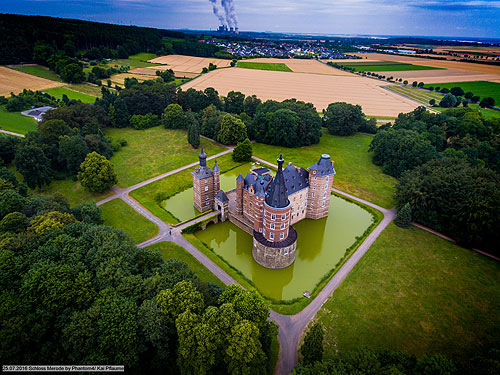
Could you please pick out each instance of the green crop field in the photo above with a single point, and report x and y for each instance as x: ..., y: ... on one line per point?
x: 388, y: 67
x: 479, y: 88
x: 171, y: 250
x: 58, y: 92
x: 39, y: 71
x: 120, y: 215
x: 280, y: 67
x: 16, y: 122
x: 143, y: 56
x: 86, y: 88
x: 415, y: 292
x: 356, y: 174
x: 152, y: 152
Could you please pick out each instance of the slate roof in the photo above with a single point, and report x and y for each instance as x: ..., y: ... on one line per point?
x: 221, y: 196
x: 295, y: 179
x: 323, y: 166
x: 216, y: 167
x: 276, y: 194
x: 203, y: 171
x: 240, y: 178
x: 260, y: 171
x: 260, y: 190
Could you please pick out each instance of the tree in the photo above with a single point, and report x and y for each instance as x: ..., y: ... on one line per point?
x: 210, y: 122
x: 405, y: 82
x: 414, y: 84
x: 469, y: 95
x: 97, y: 173
x: 475, y: 99
x: 487, y: 102
x: 10, y: 201
x: 448, y: 101
x: 457, y: 91
x: 174, y: 117
x: 51, y: 130
x: 432, y: 102
x: 88, y: 213
x: 312, y: 348
x: 121, y: 116
x: 243, y: 151
x: 182, y: 297
x: 234, y: 102
x: 343, y: 119
x: 72, y: 152
x: 49, y: 221
x: 282, y: 128
x: 8, y: 147
x: 244, y: 354
x: 14, y: 222
x: 403, y: 219
x: 32, y: 163
x: 193, y: 130
x: 420, y: 84
x: 232, y: 130
x: 250, y: 105
x: 141, y: 122
x: 72, y: 73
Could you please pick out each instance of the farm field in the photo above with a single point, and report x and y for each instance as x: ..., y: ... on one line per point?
x: 319, y: 89
x: 153, y: 151
x: 464, y: 66
x: 15, y: 81
x: 356, y: 174
x: 16, y: 122
x: 432, y: 76
x: 119, y: 79
x: 120, y: 215
x: 384, y: 67
x: 280, y: 67
x: 182, y: 65
x: 304, y: 66
x: 415, y: 292
x: 37, y: 70
x: 142, y: 56
x: 58, y: 92
x: 480, y: 88
x: 171, y: 250
x: 86, y: 88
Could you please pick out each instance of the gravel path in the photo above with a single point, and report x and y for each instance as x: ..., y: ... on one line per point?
x: 11, y: 133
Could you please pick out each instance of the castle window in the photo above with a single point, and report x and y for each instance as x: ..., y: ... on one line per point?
x: 324, y: 194
x: 314, y: 178
x: 272, y: 226
x: 283, y: 217
x: 264, y: 232
x: 327, y: 177
x: 273, y: 217
x: 250, y: 205
x: 271, y: 236
x: 294, y: 198
x: 282, y: 235
x: 298, y: 208
x: 323, y: 204
x: 326, y: 186
x: 260, y: 230
x: 282, y: 225
x: 206, y: 188
x: 285, y: 252
x: 313, y: 195
x: 293, y: 209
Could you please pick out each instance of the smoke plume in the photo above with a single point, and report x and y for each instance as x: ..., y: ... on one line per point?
x: 215, y: 9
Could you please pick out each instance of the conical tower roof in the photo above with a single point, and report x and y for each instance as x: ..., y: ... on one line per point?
x: 276, y: 195
x: 203, y: 158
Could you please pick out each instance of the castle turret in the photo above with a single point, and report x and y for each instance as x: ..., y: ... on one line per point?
x: 203, y: 185
x: 239, y: 194
x: 320, y: 187
x: 216, y: 171
x: 275, y: 246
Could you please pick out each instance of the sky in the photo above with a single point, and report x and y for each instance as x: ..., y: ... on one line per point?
x: 455, y: 18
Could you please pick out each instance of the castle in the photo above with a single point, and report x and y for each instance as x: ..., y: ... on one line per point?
x: 266, y: 206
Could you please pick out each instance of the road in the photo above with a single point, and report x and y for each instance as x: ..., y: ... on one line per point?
x: 290, y: 326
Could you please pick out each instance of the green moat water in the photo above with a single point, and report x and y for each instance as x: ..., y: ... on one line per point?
x: 321, y: 244
x: 181, y: 205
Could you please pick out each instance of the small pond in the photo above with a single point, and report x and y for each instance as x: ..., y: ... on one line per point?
x: 321, y: 244
x: 181, y: 205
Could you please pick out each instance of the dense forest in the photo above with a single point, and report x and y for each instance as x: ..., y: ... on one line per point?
x: 21, y: 33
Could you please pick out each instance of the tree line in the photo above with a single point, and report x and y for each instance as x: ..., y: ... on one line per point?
x: 75, y: 291
x: 448, y: 167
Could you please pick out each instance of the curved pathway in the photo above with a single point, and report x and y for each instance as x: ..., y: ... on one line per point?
x: 290, y: 326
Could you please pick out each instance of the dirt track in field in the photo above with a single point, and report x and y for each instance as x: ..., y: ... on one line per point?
x: 186, y: 66
x: 303, y: 66
x: 14, y: 81
x: 319, y: 89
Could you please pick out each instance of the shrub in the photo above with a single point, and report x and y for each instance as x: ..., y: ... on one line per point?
x: 312, y: 348
x: 97, y: 173
x: 243, y: 151
x: 403, y: 219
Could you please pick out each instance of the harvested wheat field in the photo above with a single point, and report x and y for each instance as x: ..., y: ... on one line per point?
x: 181, y: 65
x: 14, y: 81
x: 446, y: 64
x: 318, y: 89
x: 303, y: 66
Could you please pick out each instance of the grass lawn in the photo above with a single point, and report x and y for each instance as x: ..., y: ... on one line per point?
x: 388, y: 67
x: 120, y: 215
x: 16, y: 122
x: 152, y: 152
x: 39, y: 71
x: 73, y: 191
x: 172, y: 185
x: 142, y: 56
x: 479, y: 88
x: 171, y: 250
x: 264, y: 66
x: 58, y: 92
x: 356, y: 174
x: 133, y: 63
x: 418, y: 293
x: 86, y: 88
x: 180, y: 81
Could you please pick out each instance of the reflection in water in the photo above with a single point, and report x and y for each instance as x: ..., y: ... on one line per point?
x: 321, y: 244
x: 181, y: 205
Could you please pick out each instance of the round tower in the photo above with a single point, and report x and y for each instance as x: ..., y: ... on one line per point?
x: 275, y: 246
